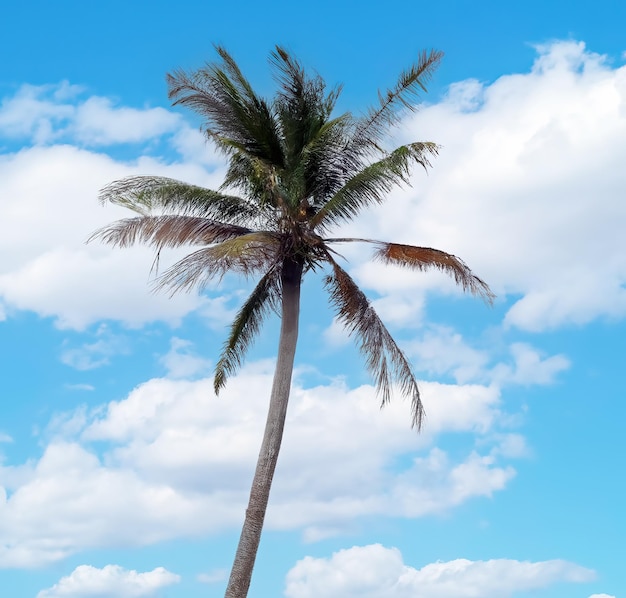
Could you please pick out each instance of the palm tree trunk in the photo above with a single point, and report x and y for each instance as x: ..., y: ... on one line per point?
x: 245, y: 556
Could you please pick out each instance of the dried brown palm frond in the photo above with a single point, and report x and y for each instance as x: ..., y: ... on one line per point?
x: 423, y: 258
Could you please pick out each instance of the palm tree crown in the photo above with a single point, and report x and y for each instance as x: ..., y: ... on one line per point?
x: 300, y: 172
x: 295, y: 172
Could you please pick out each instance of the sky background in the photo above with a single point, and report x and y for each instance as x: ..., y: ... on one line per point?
x: 122, y: 475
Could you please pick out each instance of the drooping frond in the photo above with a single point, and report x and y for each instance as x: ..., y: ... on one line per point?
x: 372, y: 183
x: 233, y: 111
x: 423, y: 258
x: 149, y: 194
x: 167, y: 231
x: 245, y: 255
x: 384, y: 359
x: 247, y: 325
x: 404, y: 95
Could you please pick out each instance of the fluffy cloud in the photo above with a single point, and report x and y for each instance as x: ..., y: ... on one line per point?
x: 112, y: 580
x: 93, y: 355
x: 52, y: 113
x: 527, y: 189
x: 49, y: 209
x: 177, y: 461
x: 215, y: 576
x: 529, y: 367
x: 375, y: 571
x: 181, y: 362
x: 441, y: 351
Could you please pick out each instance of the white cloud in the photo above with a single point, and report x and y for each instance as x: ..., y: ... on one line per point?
x: 112, y: 580
x: 85, y: 387
x: 181, y: 362
x: 214, y: 576
x: 529, y: 367
x: 375, y: 571
x: 527, y: 190
x: 177, y: 462
x: 510, y: 445
x: 601, y: 596
x: 49, y: 209
x: 93, y: 355
x: 52, y: 113
x: 70, y: 501
x: 98, y: 122
x: 441, y: 350
x: 30, y: 114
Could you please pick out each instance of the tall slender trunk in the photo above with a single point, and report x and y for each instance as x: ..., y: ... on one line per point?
x: 245, y: 556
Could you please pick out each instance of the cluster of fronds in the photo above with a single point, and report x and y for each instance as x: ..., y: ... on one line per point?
x: 294, y: 172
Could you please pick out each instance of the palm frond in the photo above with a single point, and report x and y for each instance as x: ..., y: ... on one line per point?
x: 302, y: 104
x: 257, y: 180
x: 404, y: 95
x: 423, y: 258
x: 322, y: 167
x: 232, y: 109
x: 371, y: 184
x: 247, y: 325
x: 167, y: 231
x: 245, y: 254
x: 383, y: 358
x: 148, y: 194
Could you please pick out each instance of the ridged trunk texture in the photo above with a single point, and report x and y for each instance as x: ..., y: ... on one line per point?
x: 245, y: 556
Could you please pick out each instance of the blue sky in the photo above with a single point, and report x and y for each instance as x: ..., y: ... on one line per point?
x: 121, y: 474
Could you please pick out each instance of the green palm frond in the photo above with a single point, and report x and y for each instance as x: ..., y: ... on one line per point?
x: 371, y: 184
x: 167, y: 231
x: 322, y: 168
x: 247, y: 325
x: 404, y: 95
x: 302, y: 104
x: 245, y: 255
x: 233, y: 111
x: 383, y: 358
x: 148, y: 194
x: 258, y: 180
x: 423, y: 258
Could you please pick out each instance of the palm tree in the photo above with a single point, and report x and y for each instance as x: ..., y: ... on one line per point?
x: 297, y: 171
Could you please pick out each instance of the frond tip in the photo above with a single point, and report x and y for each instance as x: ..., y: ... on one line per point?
x: 422, y: 258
